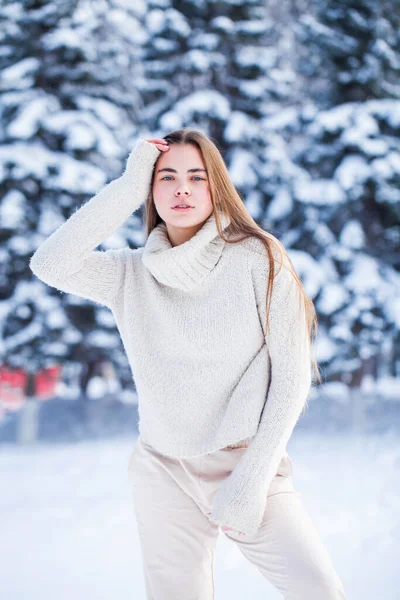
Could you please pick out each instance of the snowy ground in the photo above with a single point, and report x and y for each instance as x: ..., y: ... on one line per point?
x: 68, y: 530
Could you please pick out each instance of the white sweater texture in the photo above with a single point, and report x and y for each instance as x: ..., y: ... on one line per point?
x: 192, y: 321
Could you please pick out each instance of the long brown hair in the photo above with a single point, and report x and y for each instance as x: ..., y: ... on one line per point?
x: 225, y: 198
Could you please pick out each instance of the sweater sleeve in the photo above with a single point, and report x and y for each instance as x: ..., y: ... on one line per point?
x: 241, y: 500
x: 67, y: 260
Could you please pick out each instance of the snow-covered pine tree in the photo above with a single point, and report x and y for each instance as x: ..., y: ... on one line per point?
x: 350, y: 50
x: 265, y: 80
x: 349, y: 188
x: 68, y: 109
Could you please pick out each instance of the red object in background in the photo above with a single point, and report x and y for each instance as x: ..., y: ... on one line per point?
x: 46, y: 381
x: 13, y: 377
x: 13, y: 385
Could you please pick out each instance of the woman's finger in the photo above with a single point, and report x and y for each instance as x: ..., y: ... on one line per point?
x: 159, y: 144
x: 157, y: 140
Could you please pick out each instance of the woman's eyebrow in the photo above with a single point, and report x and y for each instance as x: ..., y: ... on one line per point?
x: 175, y: 171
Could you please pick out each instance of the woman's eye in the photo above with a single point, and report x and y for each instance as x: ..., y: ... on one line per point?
x: 194, y: 177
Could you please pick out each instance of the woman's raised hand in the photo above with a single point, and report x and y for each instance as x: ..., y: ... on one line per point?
x: 159, y: 143
x: 131, y: 164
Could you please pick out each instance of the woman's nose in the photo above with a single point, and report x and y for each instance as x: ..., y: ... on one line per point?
x: 182, y: 190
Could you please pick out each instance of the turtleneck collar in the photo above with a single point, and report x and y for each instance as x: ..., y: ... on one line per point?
x: 184, y: 266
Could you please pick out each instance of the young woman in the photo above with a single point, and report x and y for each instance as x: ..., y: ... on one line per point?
x: 217, y: 329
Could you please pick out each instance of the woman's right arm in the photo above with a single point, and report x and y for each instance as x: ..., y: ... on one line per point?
x: 67, y: 260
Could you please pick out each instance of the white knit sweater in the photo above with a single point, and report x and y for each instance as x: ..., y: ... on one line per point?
x: 192, y: 321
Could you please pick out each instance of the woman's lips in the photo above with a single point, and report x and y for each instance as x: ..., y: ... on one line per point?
x: 182, y: 209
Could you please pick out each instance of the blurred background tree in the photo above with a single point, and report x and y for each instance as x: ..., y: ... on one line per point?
x: 302, y: 98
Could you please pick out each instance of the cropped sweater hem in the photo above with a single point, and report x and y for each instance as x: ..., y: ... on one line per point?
x: 190, y: 451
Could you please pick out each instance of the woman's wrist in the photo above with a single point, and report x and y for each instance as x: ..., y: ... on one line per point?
x: 144, y: 154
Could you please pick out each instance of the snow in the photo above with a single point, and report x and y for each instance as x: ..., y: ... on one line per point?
x: 98, y: 338
x: 352, y: 234
x: 200, y: 39
x: 387, y: 109
x: 373, y: 147
x: 83, y: 131
x: 334, y: 296
x: 56, y: 318
x: 155, y: 21
x: 22, y: 337
x: 284, y: 117
x: 335, y: 39
x: 337, y: 391
x: 105, y: 317
x: 69, y: 530
x: 19, y: 245
x: 222, y: 23
x: 75, y: 176
x: 325, y: 348
x: 97, y: 387
x: 364, y: 123
x: 250, y: 56
x: 57, y: 349
x: 394, y: 161
x: 71, y: 335
x: 131, y: 26
x: 364, y: 275
x: 319, y: 191
x: 352, y: 171
x: 255, y: 89
x: 28, y: 118
x: 107, y: 113
x: 210, y: 103
x: 384, y: 50
x: 12, y: 209
x: 20, y: 75
x: 200, y: 60
x: 281, y: 204
x: 382, y: 168
x: 240, y: 128
x: 66, y: 37
x: 254, y: 204
x: 253, y: 27
x: 309, y: 270
x: 392, y: 301
x: 177, y: 23
x: 242, y: 169
x: 387, y: 386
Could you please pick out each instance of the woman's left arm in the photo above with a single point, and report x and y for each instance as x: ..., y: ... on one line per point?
x: 241, y: 501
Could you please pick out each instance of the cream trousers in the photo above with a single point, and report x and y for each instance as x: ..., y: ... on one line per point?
x: 172, y: 501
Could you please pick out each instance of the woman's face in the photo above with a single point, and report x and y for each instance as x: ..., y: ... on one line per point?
x: 180, y: 178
